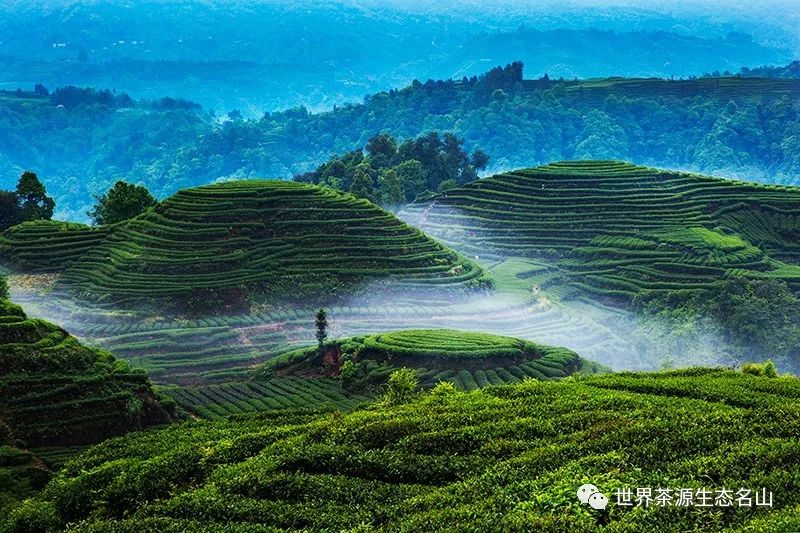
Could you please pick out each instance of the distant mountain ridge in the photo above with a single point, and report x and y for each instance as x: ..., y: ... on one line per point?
x: 298, y: 53
x: 729, y: 126
x: 792, y: 70
x: 640, y: 54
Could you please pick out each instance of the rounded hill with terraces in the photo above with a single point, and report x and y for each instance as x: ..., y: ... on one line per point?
x: 617, y: 230
x: 469, y: 360
x: 226, y: 246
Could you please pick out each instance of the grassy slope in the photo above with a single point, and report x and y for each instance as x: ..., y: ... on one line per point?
x: 618, y: 230
x: 507, y: 458
x: 218, y: 246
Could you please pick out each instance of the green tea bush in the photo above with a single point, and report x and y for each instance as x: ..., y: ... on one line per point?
x: 766, y: 369
x: 497, y: 459
x: 402, y: 385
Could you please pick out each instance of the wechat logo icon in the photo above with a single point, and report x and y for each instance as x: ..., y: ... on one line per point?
x: 590, y: 494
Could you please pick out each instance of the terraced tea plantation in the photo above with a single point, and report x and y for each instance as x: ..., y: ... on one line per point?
x: 218, y: 349
x: 214, y: 402
x: 468, y: 360
x: 57, y: 395
x: 497, y: 459
x: 55, y: 391
x: 48, y: 246
x: 616, y: 230
x: 297, y: 379
x: 221, y: 248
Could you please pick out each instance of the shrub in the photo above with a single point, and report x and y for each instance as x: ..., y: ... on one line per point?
x: 443, y: 388
x: 766, y: 369
x: 32, y: 517
x: 402, y: 385
x: 348, y: 372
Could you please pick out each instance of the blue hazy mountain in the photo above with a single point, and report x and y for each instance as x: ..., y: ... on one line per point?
x: 256, y: 56
x: 597, y: 53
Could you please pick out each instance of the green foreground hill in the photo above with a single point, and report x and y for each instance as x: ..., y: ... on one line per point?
x: 55, y: 394
x: 55, y: 391
x: 224, y: 247
x: 617, y: 231
x: 506, y: 458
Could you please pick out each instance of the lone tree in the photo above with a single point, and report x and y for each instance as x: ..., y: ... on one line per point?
x: 34, y: 204
x: 122, y: 202
x: 322, y: 331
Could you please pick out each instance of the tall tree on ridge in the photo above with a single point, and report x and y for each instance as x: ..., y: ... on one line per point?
x: 122, y: 202
x: 34, y: 203
x: 322, y: 331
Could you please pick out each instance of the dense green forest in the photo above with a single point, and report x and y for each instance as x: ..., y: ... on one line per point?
x: 393, y: 174
x: 742, y: 127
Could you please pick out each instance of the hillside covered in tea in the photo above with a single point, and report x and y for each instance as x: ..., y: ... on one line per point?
x: 56, y: 394
x: 468, y: 360
x: 716, y: 260
x: 351, y: 371
x: 221, y: 248
x: 504, y: 458
x: 48, y: 246
x: 617, y: 230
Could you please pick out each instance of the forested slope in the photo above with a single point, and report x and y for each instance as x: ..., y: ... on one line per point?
x: 735, y: 126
